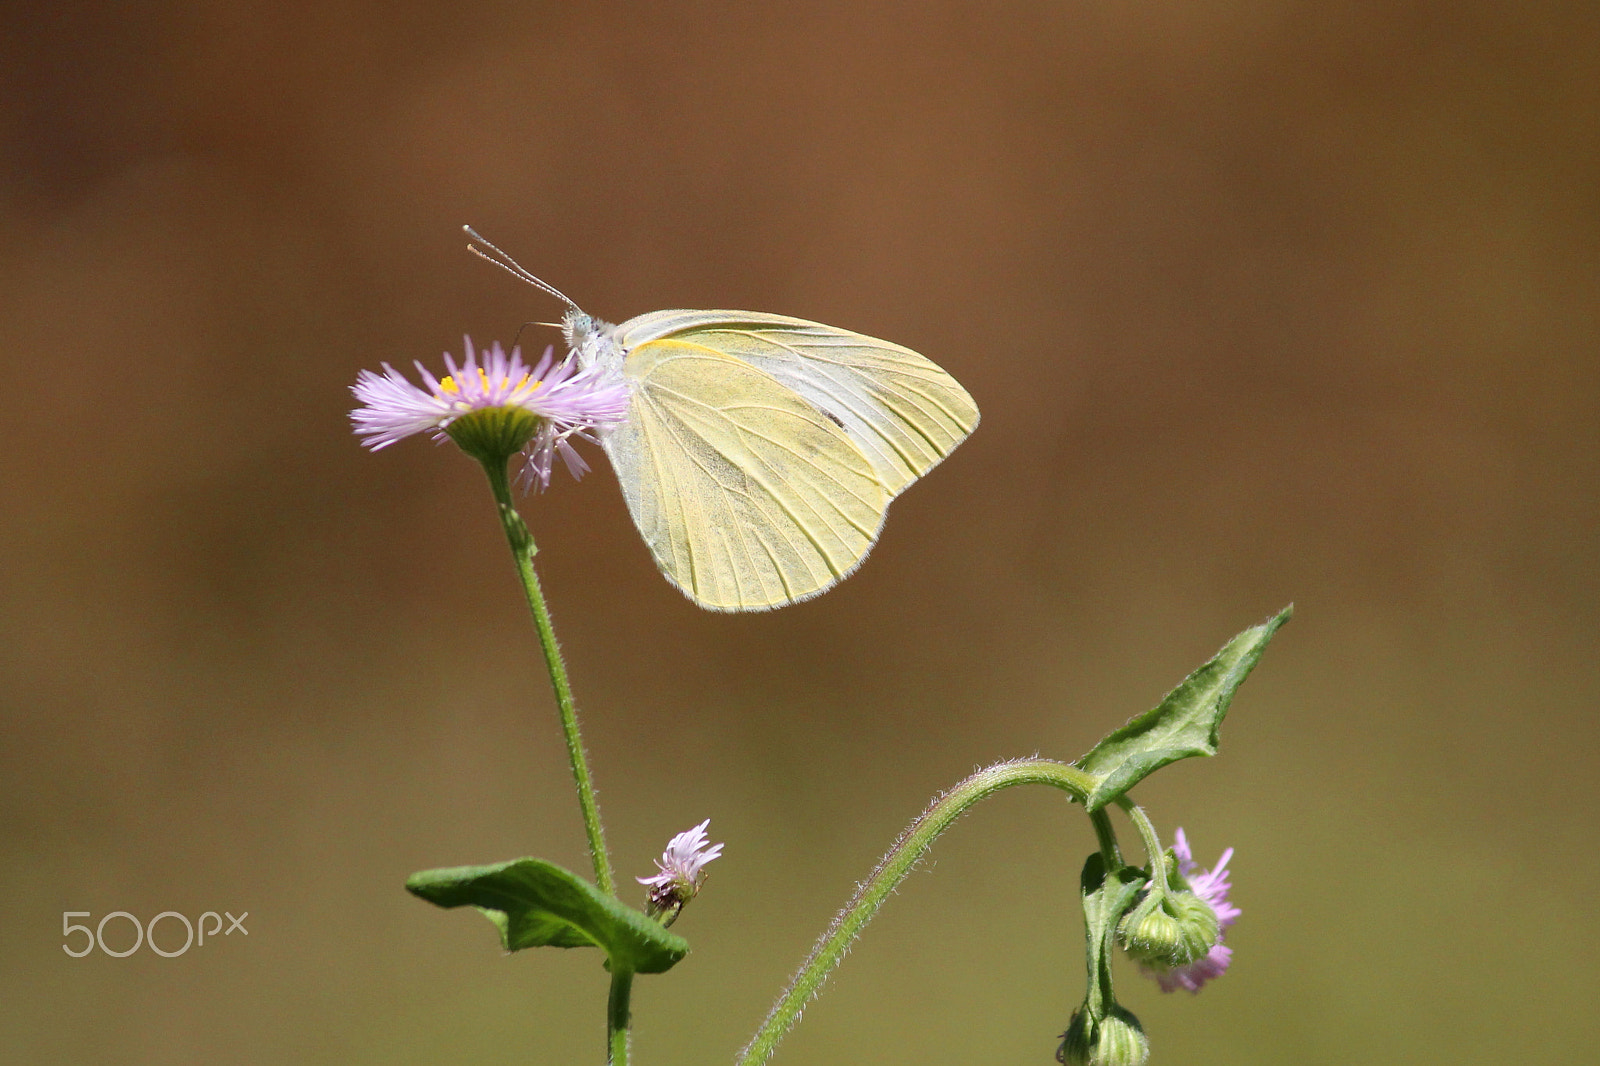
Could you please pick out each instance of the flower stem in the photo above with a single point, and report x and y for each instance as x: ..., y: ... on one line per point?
x: 523, y: 551
x: 891, y: 870
x: 1152, y: 844
x: 618, y: 1019
x: 1107, y: 837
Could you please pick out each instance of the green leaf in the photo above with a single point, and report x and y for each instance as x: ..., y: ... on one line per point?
x: 1105, y: 900
x: 538, y: 904
x: 1184, y: 725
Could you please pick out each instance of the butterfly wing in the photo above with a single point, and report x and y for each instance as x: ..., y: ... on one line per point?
x: 902, y: 411
x: 747, y: 496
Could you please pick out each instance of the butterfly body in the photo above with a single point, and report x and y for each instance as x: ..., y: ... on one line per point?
x: 761, y: 452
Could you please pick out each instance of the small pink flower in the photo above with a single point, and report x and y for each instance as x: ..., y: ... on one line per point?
x: 681, y: 869
x: 562, y: 400
x: 1212, y: 887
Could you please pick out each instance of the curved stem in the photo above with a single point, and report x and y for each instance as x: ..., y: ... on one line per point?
x: 1152, y: 844
x: 618, y: 1019
x: 523, y: 551
x: 894, y: 866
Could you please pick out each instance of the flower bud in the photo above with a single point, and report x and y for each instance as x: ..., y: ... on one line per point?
x: 1115, y: 1040
x: 1169, y: 929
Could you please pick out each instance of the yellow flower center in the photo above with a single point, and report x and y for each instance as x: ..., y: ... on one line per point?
x: 448, y: 383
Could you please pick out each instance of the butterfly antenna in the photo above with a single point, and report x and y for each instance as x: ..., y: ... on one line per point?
x: 514, y: 268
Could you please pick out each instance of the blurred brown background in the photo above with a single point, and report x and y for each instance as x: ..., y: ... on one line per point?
x: 1261, y: 302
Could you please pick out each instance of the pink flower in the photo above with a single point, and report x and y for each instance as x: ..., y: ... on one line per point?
x: 546, y: 404
x: 681, y: 869
x: 1211, y: 886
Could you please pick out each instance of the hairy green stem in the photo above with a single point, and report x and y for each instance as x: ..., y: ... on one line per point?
x: 618, y: 1019
x: 523, y: 551
x: 1107, y: 837
x: 1152, y: 844
x: 894, y: 866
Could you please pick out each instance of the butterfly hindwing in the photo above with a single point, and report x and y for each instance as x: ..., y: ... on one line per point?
x: 748, y: 496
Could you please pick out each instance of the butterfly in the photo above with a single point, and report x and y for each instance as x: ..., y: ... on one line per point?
x: 761, y: 452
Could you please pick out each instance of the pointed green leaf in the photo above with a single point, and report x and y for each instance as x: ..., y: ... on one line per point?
x: 539, y: 904
x: 1184, y: 725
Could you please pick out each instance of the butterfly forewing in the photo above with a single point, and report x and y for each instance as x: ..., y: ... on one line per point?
x: 902, y: 411
x: 748, y: 496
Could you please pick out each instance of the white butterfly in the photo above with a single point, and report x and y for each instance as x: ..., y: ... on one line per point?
x: 761, y: 452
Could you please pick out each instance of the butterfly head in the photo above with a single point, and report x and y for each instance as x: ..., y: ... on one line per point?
x: 591, y: 339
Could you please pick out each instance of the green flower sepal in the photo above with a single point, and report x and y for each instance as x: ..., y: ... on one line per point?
x: 492, y: 435
x: 1169, y: 929
x: 1114, y: 1040
x: 1170, y: 926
